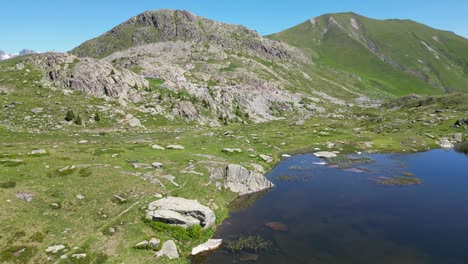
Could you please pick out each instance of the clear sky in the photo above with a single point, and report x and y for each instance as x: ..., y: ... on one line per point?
x: 60, y: 25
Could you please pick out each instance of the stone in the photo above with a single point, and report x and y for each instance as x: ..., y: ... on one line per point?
x: 80, y: 197
x: 277, y: 226
x: 142, y: 245
x: 232, y: 150
x: 157, y: 147
x: 38, y: 152
x: 460, y: 122
x: 119, y: 198
x: 242, y: 181
x: 37, y: 110
x: 157, y: 165
x: 79, y: 256
x: 138, y: 165
x: 132, y: 121
x: 286, y: 156
x: 83, y: 141
x: 28, y: 197
x: 154, y: 243
x: 445, y: 143
x: 55, y: 249
x: 181, y: 211
x: 179, y: 147
x: 209, y: 245
x: 458, y: 137
x: 325, y: 154
x: 266, y: 158
x: 169, y: 250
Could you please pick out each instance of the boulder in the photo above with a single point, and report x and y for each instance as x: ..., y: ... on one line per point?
x: 460, y: 122
x: 132, y: 121
x: 169, y: 250
x: 180, y: 211
x: 458, y: 137
x: 209, y: 245
x: 325, y: 154
x: 242, y: 181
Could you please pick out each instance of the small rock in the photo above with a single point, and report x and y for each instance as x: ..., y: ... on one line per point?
x: 157, y: 147
x: 83, y: 141
x: 325, y: 154
x: 209, y: 245
x: 138, y: 165
x: 179, y: 147
x: 55, y: 249
x: 28, y: 197
x: 80, y: 197
x: 119, y: 198
x: 169, y: 250
x: 38, y: 151
x: 154, y: 243
x: 266, y: 158
x: 231, y: 150
x: 37, y: 110
x: 157, y: 165
x: 286, y: 156
x: 445, y: 143
x: 111, y: 230
x: 79, y: 256
x: 142, y: 245
x: 458, y: 137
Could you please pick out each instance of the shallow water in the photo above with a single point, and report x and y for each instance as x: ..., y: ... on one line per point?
x: 343, y: 216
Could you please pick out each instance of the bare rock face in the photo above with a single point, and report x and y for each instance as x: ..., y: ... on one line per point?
x: 180, y: 211
x: 94, y: 77
x: 242, y: 181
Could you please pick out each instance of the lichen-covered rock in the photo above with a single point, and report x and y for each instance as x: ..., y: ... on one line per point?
x: 180, y: 211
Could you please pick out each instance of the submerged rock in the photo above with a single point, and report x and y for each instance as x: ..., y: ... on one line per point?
x: 277, y: 226
x: 169, y: 250
x: 242, y: 181
x: 209, y: 245
x: 180, y: 211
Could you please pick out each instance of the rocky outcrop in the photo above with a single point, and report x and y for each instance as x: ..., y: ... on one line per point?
x: 242, y: 181
x: 180, y: 211
x: 94, y: 77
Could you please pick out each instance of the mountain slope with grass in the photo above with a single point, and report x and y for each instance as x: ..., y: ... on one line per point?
x: 398, y: 56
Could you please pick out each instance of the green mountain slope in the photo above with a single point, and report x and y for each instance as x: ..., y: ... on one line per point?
x: 398, y: 56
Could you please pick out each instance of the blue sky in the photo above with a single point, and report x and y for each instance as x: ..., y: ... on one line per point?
x: 60, y: 25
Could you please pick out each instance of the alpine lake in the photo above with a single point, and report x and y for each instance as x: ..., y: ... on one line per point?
x: 368, y: 208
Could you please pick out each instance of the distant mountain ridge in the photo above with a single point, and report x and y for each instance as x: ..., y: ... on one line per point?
x: 6, y: 56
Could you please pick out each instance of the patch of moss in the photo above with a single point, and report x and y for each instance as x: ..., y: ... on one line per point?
x: 248, y: 243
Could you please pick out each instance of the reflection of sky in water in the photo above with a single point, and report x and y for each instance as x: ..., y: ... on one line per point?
x: 337, y: 216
